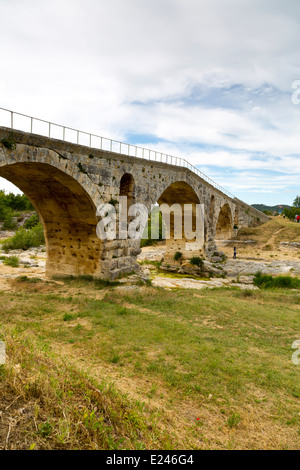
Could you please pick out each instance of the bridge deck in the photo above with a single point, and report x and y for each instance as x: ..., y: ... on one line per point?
x: 22, y: 122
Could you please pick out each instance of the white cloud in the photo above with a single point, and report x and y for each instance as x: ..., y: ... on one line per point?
x: 213, y: 73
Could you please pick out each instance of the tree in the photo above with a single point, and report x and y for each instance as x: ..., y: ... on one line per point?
x: 296, y: 202
x: 292, y: 212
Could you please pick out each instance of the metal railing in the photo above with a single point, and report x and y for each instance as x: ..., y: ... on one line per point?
x: 22, y: 122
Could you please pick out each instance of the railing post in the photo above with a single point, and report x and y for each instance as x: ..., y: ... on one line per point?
x: 169, y: 159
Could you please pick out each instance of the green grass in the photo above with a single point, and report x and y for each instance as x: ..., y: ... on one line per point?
x: 270, y: 282
x: 12, y: 261
x: 64, y: 408
x: 186, y: 345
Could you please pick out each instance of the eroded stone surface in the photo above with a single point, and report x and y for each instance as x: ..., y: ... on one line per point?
x: 185, y: 283
x: 242, y: 267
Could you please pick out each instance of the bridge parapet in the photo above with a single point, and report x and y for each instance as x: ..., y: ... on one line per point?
x: 22, y: 122
x: 67, y: 181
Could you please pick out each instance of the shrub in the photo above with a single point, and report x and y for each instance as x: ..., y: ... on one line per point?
x: 68, y: 317
x: 177, y: 256
x: 24, y: 239
x: 12, y: 261
x: 270, y: 282
x: 9, y: 143
x: 9, y: 203
x: 113, y: 202
x: 291, y: 212
x: 6, y: 217
x: 33, y: 221
x: 196, y: 261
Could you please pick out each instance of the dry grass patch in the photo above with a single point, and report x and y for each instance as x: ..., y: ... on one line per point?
x: 208, y: 371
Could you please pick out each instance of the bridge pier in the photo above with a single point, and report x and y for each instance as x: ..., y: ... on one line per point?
x: 67, y: 182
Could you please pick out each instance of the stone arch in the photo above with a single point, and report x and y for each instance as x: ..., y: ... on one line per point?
x: 224, y: 224
x: 127, y: 188
x: 67, y: 212
x: 183, y: 202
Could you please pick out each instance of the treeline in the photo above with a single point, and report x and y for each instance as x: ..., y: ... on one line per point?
x: 269, y: 210
x: 292, y: 212
x: 10, y: 206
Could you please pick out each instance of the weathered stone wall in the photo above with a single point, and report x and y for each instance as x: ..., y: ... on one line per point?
x: 66, y: 183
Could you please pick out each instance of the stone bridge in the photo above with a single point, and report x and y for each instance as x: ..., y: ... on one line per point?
x: 66, y: 182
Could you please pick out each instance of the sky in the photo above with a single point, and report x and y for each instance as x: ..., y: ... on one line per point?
x: 214, y: 82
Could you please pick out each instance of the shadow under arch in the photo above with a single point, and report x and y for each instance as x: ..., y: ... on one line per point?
x: 183, y: 203
x: 68, y: 215
x: 224, y: 226
x: 127, y: 188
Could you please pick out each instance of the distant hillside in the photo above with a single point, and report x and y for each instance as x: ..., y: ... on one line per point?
x: 263, y: 207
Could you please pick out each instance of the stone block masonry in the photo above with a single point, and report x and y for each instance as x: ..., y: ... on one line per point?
x: 67, y: 182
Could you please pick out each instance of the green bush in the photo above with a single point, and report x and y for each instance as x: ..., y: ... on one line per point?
x: 177, y: 256
x: 9, y: 143
x: 269, y: 282
x: 12, y: 261
x: 24, y: 239
x: 68, y: 317
x: 16, y: 202
x: 6, y: 218
x: 33, y: 221
x: 9, y: 204
x: 291, y: 212
x: 196, y: 261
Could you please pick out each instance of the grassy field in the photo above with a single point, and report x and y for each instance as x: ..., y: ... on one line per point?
x: 98, y: 366
x: 267, y: 238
